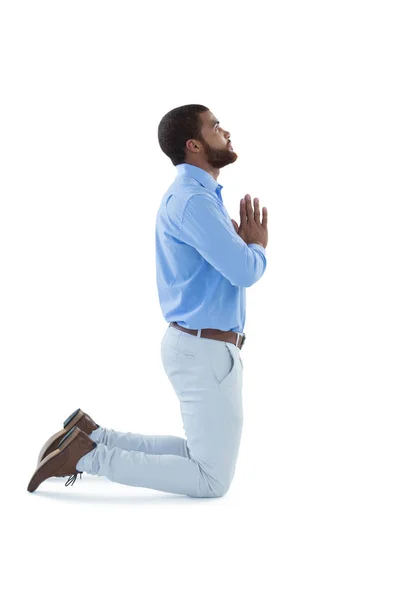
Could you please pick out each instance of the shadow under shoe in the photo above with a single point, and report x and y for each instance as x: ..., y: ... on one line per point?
x: 77, y: 418
x: 62, y: 461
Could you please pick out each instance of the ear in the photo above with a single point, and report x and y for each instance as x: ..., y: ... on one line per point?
x: 191, y: 145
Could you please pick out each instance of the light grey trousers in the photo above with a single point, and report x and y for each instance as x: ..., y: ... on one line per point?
x: 206, y: 375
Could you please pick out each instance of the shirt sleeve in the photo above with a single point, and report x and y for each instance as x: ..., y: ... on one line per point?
x: 211, y: 233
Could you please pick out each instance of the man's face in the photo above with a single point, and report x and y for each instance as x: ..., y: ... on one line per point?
x: 215, y: 147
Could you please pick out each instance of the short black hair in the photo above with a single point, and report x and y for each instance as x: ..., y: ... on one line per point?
x: 176, y: 127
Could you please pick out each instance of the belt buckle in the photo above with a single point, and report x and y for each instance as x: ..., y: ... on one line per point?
x: 243, y: 335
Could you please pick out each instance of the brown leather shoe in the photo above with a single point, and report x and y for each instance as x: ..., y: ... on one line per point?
x: 62, y: 461
x: 78, y: 418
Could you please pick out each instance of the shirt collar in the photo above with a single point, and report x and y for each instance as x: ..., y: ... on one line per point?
x: 204, y: 178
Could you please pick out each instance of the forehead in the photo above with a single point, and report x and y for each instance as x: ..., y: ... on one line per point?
x: 208, y: 118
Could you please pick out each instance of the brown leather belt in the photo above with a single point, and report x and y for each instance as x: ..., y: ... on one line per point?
x: 215, y: 334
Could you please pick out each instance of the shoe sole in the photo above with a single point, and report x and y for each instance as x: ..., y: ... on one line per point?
x: 68, y: 424
x: 53, y: 461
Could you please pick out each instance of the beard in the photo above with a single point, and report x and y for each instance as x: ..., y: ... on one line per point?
x: 219, y: 157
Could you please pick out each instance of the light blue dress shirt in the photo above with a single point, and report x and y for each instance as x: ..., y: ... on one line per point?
x: 202, y: 265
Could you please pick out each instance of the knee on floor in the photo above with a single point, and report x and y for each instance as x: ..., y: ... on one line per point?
x: 209, y: 494
x: 210, y: 486
x: 218, y: 488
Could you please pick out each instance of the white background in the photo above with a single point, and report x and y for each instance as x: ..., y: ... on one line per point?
x: 309, y: 92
